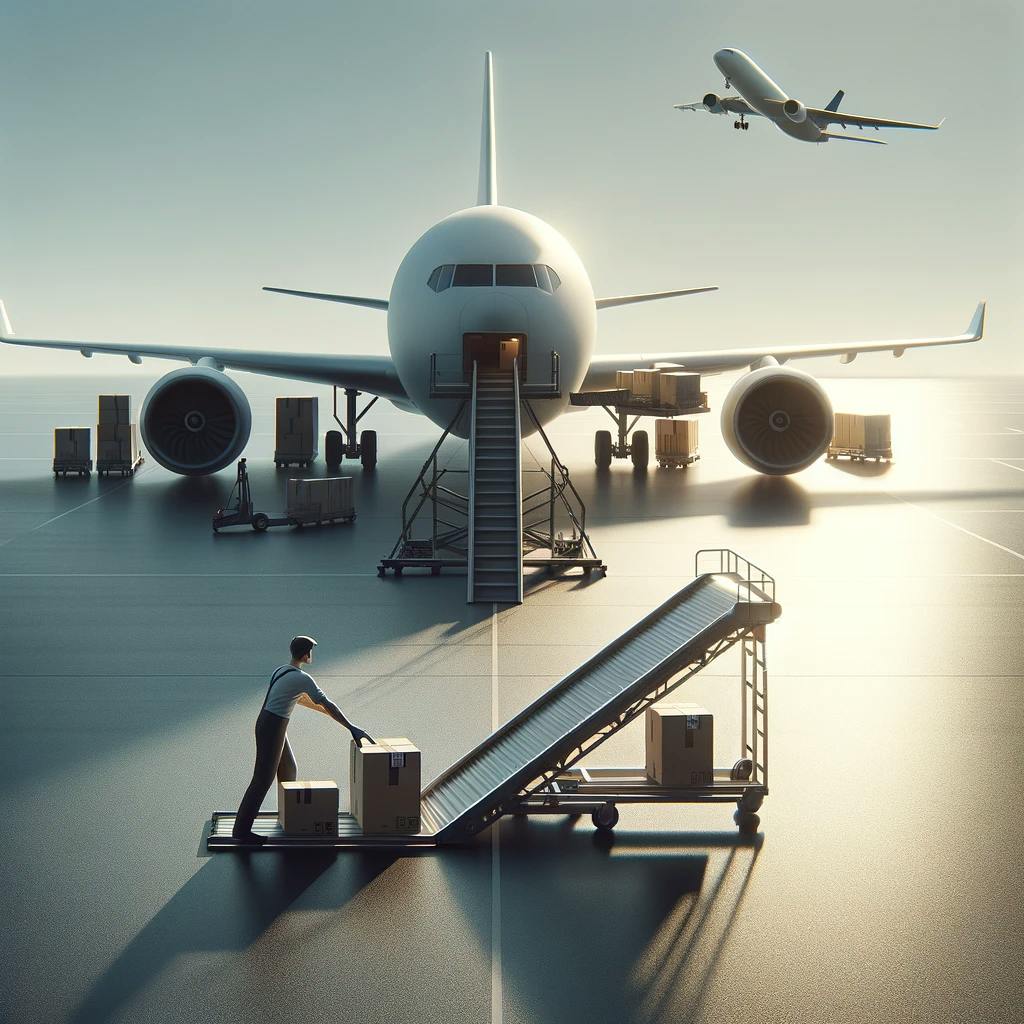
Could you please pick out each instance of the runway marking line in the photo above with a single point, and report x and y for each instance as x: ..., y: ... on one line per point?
x: 496, y: 983
x: 962, y: 529
x: 999, y: 462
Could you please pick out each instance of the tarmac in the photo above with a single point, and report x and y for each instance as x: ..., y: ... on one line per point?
x: 883, y: 883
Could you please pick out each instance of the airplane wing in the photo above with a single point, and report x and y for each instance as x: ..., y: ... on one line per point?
x: 823, y: 117
x: 602, y: 368
x: 626, y: 300
x: 373, y: 374
x: 726, y: 105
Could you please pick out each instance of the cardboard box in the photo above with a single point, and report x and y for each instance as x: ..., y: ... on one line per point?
x: 877, y: 433
x: 114, y: 409
x: 645, y: 383
x: 72, y: 443
x: 624, y: 379
x: 117, y: 443
x: 680, y: 745
x: 384, y: 780
x: 679, y: 389
x: 308, y: 808
x: 322, y: 495
x: 676, y: 437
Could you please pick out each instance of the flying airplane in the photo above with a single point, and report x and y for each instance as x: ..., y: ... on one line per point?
x: 759, y: 96
x: 482, y: 278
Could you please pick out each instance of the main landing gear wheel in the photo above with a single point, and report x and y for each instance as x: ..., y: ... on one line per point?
x: 334, y: 446
x: 260, y: 522
x: 603, y: 449
x: 368, y: 449
x: 605, y: 818
x: 640, y: 450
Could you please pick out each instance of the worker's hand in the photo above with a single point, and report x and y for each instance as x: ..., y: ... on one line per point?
x: 358, y: 735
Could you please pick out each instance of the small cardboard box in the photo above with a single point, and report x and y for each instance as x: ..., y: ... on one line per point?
x: 679, y: 389
x: 385, y: 786
x: 624, y: 379
x: 114, y: 409
x: 308, y: 808
x: 680, y: 745
x: 645, y: 383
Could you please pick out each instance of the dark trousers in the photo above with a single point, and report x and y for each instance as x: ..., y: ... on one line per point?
x: 273, y: 757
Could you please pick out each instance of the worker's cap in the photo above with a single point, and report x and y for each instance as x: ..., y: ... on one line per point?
x: 301, y: 646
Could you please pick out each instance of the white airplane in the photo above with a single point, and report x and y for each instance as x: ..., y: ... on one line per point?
x: 759, y: 96
x: 486, y: 277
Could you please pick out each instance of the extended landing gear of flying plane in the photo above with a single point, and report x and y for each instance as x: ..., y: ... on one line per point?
x: 341, y: 444
x: 741, y: 123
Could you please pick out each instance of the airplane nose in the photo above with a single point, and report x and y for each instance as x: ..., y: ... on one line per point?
x: 722, y: 54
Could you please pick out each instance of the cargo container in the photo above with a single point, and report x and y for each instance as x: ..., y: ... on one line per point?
x: 320, y: 500
x: 679, y: 389
x: 72, y: 451
x: 296, y: 432
x: 117, y: 438
x: 861, y: 437
x: 675, y: 442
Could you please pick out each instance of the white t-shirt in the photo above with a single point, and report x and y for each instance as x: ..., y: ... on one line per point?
x: 292, y: 683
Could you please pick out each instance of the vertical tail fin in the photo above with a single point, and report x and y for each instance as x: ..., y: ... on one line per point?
x: 833, y: 104
x: 488, y: 190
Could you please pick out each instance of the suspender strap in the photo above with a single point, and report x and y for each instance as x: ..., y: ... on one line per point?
x: 274, y: 678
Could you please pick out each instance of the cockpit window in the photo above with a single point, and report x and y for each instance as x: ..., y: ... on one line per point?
x: 486, y: 275
x: 474, y: 275
x: 514, y: 275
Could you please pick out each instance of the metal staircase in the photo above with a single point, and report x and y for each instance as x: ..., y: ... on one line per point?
x: 495, y: 490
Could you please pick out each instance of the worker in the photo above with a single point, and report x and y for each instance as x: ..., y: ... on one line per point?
x: 289, y: 685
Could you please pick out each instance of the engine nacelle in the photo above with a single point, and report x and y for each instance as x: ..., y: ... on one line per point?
x: 712, y: 103
x: 795, y: 111
x: 777, y: 420
x: 195, y: 421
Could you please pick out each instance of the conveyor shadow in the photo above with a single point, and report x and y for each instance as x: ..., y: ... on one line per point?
x: 226, y: 906
x: 654, y: 910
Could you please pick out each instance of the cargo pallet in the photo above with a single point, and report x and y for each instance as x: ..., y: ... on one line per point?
x: 125, y: 468
x: 666, y: 461
x: 81, y: 467
x: 530, y: 765
x: 620, y: 404
x: 283, y: 461
x: 858, y: 454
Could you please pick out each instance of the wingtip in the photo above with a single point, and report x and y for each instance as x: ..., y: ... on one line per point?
x: 5, y: 324
x: 977, y: 327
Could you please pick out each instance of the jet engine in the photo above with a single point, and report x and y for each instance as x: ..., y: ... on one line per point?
x: 777, y: 420
x: 795, y: 111
x: 712, y: 103
x: 195, y: 421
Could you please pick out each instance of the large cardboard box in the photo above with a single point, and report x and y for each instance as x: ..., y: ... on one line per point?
x: 679, y: 389
x: 680, y: 745
x: 384, y: 779
x: 308, y: 808
x: 877, y: 433
x: 72, y: 443
x: 320, y: 495
x: 114, y: 409
x: 117, y: 443
x: 645, y: 383
x: 624, y: 379
x: 676, y: 437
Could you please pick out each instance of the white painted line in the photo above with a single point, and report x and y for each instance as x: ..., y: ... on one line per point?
x: 123, y: 483
x: 999, y: 462
x: 497, y: 1002
x: 1015, y: 430
x: 962, y: 529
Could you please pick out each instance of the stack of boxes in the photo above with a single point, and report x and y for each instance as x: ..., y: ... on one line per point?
x: 680, y: 745
x: 384, y: 779
x: 320, y: 498
x: 868, y: 434
x: 117, y: 439
x: 72, y: 449
x: 297, y: 420
x: 676, y: 439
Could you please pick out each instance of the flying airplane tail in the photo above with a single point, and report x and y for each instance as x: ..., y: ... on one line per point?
x: 488, y: 188
x: 833, y: 104
x: 852, y: 138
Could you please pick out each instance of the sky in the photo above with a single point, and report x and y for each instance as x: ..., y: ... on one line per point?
x: 161, y: 162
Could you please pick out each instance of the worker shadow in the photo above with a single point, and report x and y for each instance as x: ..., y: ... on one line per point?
x: 227, y: 905
x: 769, y: 501
x: 627, y: 927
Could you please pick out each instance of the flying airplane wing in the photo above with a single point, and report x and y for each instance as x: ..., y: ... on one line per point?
x: 726, y: 105
x: 823, y: 117
x: 352, y: 300
x: 626, y: 300
x: 373, y: 374
x: 602, y: 368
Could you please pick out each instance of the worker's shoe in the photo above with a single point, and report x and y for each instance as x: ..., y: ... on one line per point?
x: 249, y: 839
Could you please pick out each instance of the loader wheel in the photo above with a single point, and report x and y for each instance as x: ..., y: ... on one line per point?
x: 640, y: 450
x: 751, y: 800
x: 260, y: 522
x: 605, y: 818
x: 368, y: 449
x: 603, y: 449
x: 333, y: 448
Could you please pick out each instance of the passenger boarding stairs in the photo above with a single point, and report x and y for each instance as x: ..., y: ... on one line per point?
x: 495, y: 490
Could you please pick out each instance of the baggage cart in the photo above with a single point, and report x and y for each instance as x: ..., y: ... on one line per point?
x: 72, y: 451
x: 860, y: 438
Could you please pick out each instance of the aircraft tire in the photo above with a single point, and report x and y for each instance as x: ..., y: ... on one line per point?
x: 603, y: 449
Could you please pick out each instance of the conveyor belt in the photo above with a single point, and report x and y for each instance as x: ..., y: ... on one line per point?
x: 684, y: 629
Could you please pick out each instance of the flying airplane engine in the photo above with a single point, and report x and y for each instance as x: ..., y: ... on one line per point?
x: 712, y: 104
x: 795, y: 111
x: 195, y: 421
x: 777, y: 420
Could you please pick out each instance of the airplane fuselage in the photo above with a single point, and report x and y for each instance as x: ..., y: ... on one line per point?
x: 754, y: 85
x: 495, y: 272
